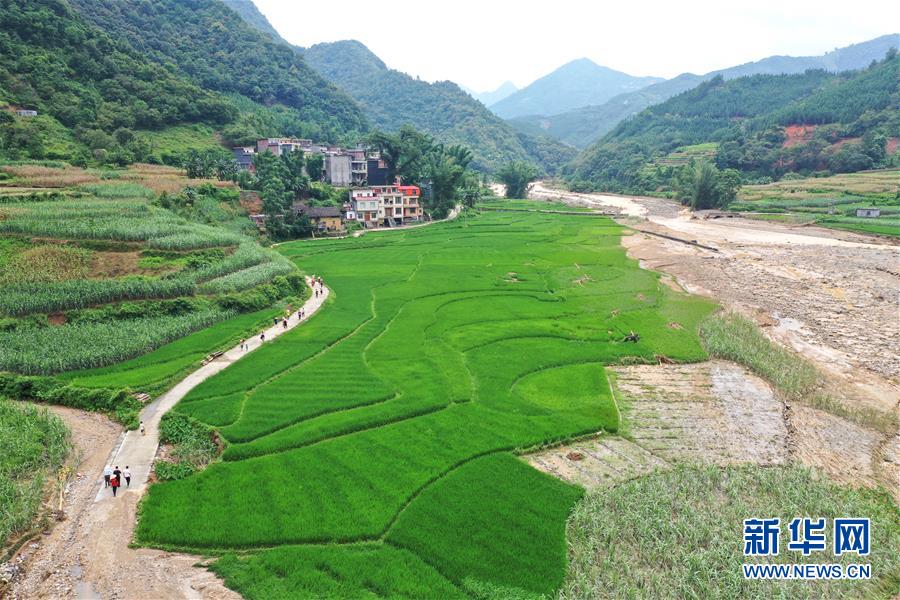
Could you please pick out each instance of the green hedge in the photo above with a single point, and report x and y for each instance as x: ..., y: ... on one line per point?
x: 118, y: 403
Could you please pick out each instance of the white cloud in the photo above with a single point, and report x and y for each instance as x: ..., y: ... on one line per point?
x: 480, y: 43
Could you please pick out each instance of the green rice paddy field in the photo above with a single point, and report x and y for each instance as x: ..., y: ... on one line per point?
x: 373, y: 451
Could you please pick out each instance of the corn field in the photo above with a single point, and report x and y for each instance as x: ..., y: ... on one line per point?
x: 46, y: 350
x: 124, y: 221
x: 249, y: 277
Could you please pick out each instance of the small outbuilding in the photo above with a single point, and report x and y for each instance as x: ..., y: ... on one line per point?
x: 868, y: 212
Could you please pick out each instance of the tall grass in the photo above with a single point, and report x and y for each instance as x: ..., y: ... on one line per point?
x: 118, y: 190
x: 46, y: 264
x: 678, y: 534
x: 737, y: 338
x: 33, y: 444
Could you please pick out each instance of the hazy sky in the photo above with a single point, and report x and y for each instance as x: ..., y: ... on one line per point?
x: 480, y: 43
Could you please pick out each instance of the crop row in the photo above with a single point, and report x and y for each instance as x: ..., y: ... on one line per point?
x: 228, y: 275
x: 30, y: 298
x: 249, y: 277
x: 45, y: 350
x: 112, y: 220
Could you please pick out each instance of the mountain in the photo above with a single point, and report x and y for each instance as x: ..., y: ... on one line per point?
x: 762, y: 125
x: 507, y: 88
x: 212, y: 46
x: 575, y: 84
x: 581, y: 126
x: 391, y: 99
x: 90, y: 90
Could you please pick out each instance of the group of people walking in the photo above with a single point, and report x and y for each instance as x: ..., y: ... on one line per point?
x: 318, y: 288
x: 113, y: 478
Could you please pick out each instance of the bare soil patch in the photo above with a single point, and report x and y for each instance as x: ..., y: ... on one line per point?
x: 714, y: 412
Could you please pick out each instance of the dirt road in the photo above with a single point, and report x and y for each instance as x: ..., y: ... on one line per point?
x: 87, y: 556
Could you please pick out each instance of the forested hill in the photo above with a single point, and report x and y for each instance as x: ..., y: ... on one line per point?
x: 763, y: 125
x: 391, y: 99
x: 212, y: 45
x: 85, y: 85
x: 249, y: 13
x: 584, y: 125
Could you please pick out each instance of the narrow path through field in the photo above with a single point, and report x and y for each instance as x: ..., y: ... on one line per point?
x: 87, y: 555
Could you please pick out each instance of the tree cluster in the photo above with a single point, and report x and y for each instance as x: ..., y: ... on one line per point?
x: 415, y: 158
x: 702, y: 185
x: 517, y: 176
x: 90, y: 88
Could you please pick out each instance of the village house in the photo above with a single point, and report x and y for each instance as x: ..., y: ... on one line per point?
x: 386, y: 205
x: 243, y: 156
x: 338, y: 169
x: 323, y: 218
x: 24, y: 112
x: 868, y: 212
x: 279, y: 146
x: 367, y: 207
x: 359, y: 167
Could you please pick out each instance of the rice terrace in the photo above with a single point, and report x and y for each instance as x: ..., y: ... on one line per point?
x: 389, y: 425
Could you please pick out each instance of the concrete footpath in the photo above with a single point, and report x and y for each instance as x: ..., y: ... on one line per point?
x: 138, y: 451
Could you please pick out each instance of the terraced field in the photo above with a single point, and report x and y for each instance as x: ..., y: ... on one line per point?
x: 373, y: 450
x: 828, y: 201
x: 96, y: 269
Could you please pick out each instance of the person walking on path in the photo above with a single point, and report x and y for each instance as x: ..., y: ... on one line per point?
x: 127, y: 475
x: 114, y: 484
x: 142, y: 428
x: 262, y: 337
x: 274, y: 320
x: 117, y: 474
x: 243, y: 344
x: 107, y: 473
x: 284, y: 323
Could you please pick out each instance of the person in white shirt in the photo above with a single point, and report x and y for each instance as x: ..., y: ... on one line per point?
x: 127, y: 475
x: 107, y: 473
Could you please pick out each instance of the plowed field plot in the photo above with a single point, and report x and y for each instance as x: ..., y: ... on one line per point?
x: 374, y: 450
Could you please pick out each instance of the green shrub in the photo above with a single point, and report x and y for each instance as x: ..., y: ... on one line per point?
x: 173, y: 471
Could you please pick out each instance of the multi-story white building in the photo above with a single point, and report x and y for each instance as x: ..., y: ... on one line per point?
x: 386, y: 205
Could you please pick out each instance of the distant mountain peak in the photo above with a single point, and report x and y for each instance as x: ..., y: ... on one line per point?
x: 507, y: 88
x: 577, y: 83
